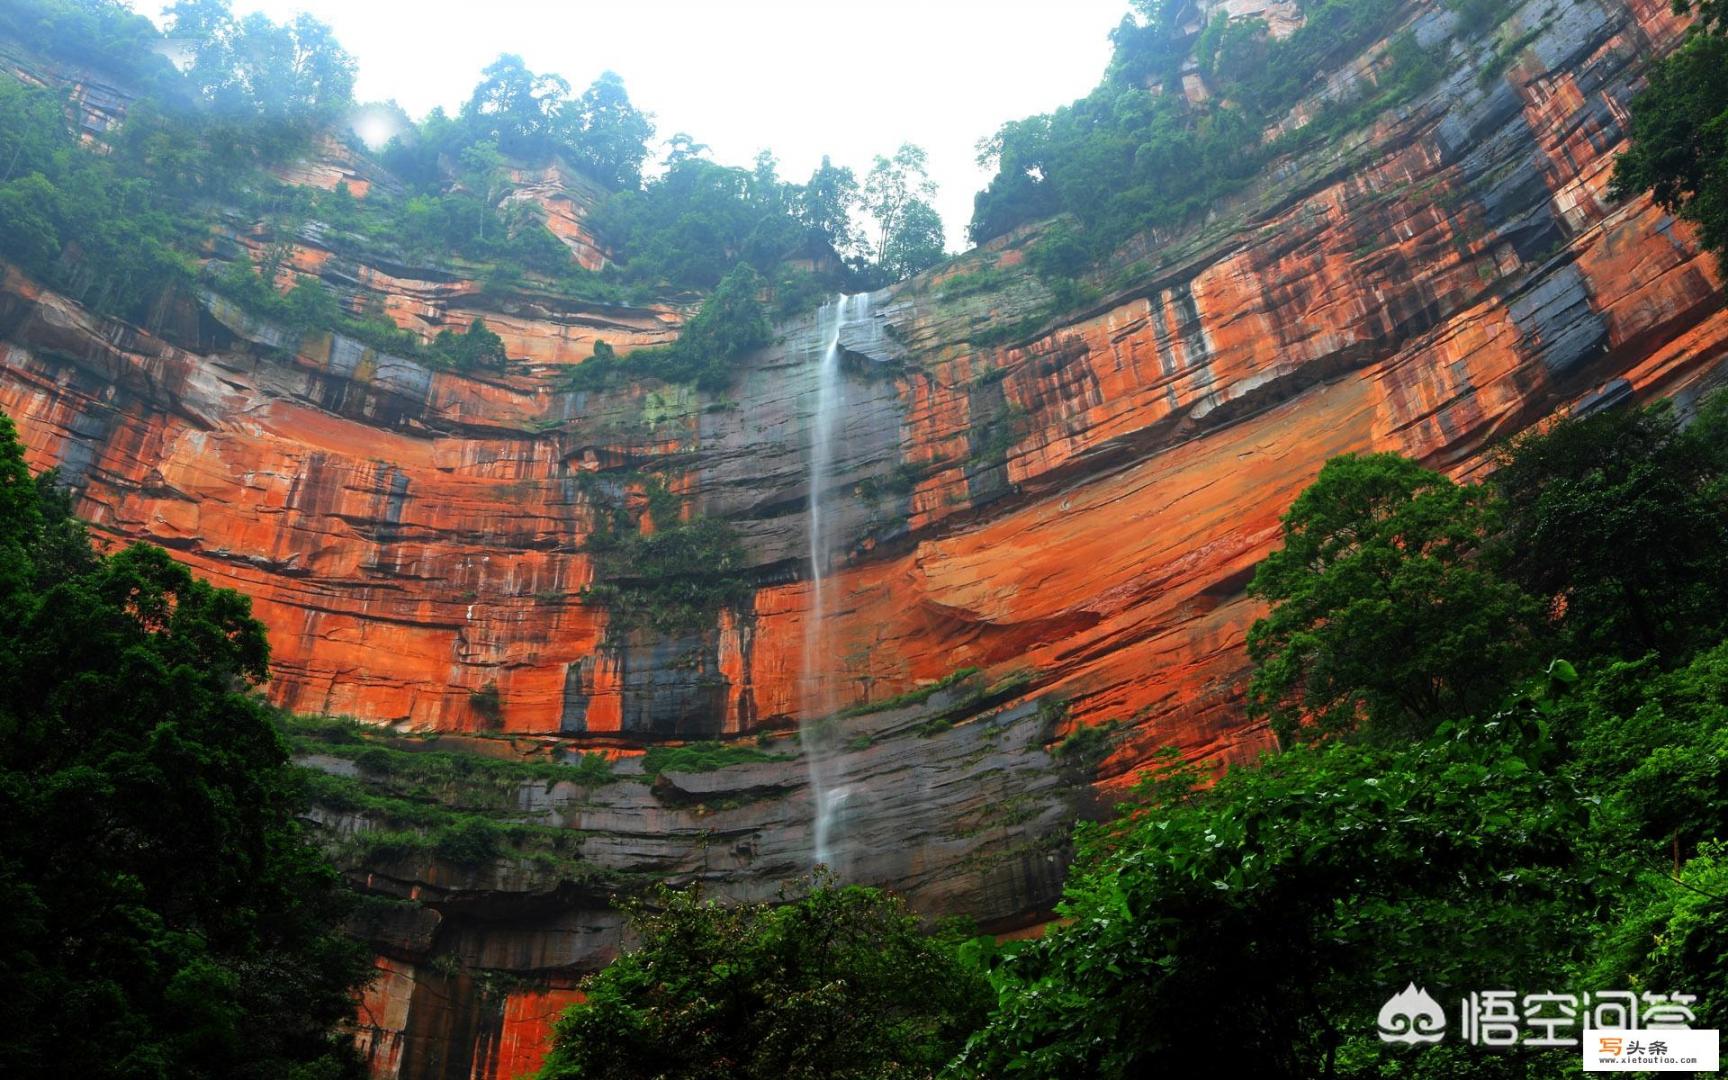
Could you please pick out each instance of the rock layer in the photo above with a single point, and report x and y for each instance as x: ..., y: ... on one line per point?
x: 1071, y: 501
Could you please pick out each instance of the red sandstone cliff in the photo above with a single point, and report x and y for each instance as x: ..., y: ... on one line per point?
x: 1073, y: 507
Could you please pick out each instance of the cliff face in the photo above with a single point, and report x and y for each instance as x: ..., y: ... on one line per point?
x: 1071, y: 503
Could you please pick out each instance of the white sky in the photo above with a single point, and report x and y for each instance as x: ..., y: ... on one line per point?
x: 800, y: 77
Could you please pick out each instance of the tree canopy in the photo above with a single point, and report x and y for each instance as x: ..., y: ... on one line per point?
x: 252, y: 69
x: 839, y: 983
x: 1618, y: 520
x: 530, y: 115
x: 1679, y: 133
x: 1383, y: 614
x: 127, y: 229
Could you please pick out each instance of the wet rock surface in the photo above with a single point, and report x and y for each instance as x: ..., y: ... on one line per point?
x: 955, y: 804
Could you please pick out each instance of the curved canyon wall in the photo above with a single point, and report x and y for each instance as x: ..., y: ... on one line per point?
x: 1070, y: 503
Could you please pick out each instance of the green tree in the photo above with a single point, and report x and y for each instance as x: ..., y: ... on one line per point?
x: 730, y: 325
x: 766, y: 189
x: 826, y: 202
x: 689, y: 226
x: 840, y: 983
x: 611, y: 135
x: 1616, y: 518
x: 1383, y: 616
x: 517, y: 110
x: 166, y: 913
x: 252, y: 68
x: 1273, y: 914
x: 29, y: 215
x: 115, y: 216
x: 917, y: 242
x: 477, y: 348
x: 893, y: 186
x: 1679, y: 137
x: 310, y: 306
x: 683, y: 147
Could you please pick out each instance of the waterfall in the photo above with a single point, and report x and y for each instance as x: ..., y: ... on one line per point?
x: 819, y: 700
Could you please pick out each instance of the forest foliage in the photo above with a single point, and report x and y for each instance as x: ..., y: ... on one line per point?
x: 840, y: 983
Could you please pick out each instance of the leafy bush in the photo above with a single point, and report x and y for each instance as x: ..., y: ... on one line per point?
x: 730, y: 325
x: 487, y: 704
x: 1303, y: 892
x: 840, y: 983
x: 911, y: 697
x: 674, y: 580
x: 703, y: 757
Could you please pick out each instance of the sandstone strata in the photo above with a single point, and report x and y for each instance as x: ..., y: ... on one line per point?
x: 1070, y: 501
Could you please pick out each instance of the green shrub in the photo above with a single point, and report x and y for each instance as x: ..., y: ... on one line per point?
x: 488, y: 704
x: 730, y: 325
x: 703, y: 757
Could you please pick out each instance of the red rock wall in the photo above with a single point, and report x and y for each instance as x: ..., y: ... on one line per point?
x: 448, y: 1026
x: 1080, y: 501
x: 412, y: 537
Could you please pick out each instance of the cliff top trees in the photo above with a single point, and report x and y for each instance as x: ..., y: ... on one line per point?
x: 698, y: 219
x: 165, y: 915
x: 251, y: 68
x: 908, y: 230
x: 530, y: 115
x: 611, y: 134
x: 1135, y: 153
x: 825, y: 203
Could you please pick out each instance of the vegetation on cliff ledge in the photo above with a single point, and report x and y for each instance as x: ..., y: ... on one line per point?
x: 730, y: 326
x: 1142, y: 152
x: 662, y: 570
